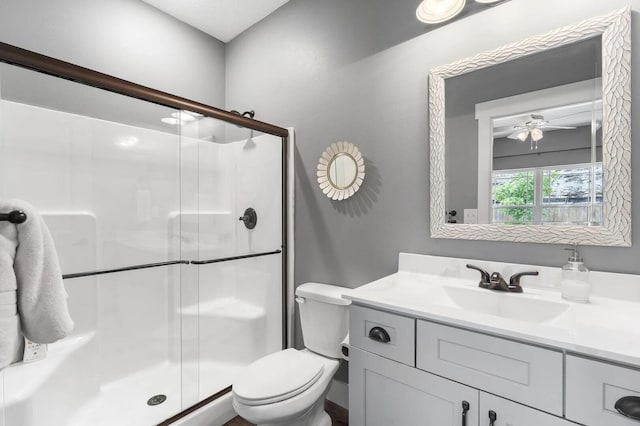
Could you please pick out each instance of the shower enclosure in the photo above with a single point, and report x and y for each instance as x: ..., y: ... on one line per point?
x: 171, y: 288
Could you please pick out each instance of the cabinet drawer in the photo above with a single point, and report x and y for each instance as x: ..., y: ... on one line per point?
x: 520, y: 372
x: 391, y: 336
x: 594, y: 387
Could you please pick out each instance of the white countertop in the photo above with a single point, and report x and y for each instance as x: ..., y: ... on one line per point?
x: 605, y: 328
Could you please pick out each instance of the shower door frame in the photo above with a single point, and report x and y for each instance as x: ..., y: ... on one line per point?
x: 45, y: 64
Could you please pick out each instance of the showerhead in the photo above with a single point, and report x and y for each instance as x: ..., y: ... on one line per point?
x: 249, y: 114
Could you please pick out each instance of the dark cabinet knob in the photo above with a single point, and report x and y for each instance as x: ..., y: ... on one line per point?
x: 379, y: 334
x: 629, y: 406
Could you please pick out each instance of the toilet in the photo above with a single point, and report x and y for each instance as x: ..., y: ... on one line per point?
x: 289, y: 387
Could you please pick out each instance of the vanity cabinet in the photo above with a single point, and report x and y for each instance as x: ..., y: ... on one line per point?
x: 451, y: 378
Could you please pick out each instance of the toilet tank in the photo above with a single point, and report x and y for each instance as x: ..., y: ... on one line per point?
x: 324, y: 316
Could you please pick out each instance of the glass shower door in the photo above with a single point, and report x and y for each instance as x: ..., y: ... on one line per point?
x: 104, y: 172
x: 237, y: 302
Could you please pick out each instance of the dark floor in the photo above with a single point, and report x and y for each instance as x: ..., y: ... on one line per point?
x: 339, y: 416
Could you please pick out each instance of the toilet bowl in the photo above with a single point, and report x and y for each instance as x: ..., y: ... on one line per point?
x: 289, y: 387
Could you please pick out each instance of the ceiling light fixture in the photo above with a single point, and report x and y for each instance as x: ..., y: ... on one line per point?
x: 487, y: 1
x: 437, y: 11
x: 534, y: 127
x: 522, y: 136
x: 536, y: 134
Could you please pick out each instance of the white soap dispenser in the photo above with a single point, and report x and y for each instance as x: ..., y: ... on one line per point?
x: 575, y: 284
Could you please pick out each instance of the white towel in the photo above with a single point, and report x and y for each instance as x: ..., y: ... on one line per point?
x: 42, y: 299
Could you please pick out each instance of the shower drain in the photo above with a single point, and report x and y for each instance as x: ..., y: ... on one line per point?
x: 156, y: 399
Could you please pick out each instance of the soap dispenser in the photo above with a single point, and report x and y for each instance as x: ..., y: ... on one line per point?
x: 575, y: 284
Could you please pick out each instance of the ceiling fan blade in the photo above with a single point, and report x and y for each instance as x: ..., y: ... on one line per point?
x: 551, y: 127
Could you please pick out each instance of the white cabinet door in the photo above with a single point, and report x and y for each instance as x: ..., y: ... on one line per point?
x: 386, y: 393
x: 507, y: 413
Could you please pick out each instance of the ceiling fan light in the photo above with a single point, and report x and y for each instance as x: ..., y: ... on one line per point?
x: 437, y: 11
x: 487, y: 1
x: 536, y: 134
x: 523, y: 135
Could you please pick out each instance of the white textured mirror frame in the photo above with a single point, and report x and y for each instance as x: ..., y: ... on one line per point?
x: 615, y: 30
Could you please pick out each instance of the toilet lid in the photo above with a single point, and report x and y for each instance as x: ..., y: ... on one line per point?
x: 277, y: 377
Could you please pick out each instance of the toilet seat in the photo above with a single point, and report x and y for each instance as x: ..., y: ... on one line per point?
x: 278, y: 377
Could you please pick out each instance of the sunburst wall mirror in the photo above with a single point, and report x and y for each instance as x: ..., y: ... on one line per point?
x: 340, y: 170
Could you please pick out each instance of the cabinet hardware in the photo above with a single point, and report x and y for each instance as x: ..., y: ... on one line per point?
x: 465, y: 408
x: 379, y: 334
x: 492, y: 417
x: 629, y: 406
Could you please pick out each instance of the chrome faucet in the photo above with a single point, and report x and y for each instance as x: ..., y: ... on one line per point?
x: 496, y: 282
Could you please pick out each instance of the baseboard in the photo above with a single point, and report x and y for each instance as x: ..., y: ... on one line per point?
x: 339, y: 394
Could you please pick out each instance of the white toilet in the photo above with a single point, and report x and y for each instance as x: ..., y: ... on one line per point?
x: 289, y: 387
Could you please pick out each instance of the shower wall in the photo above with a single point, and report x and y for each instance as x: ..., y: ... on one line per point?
x: 119, y: 188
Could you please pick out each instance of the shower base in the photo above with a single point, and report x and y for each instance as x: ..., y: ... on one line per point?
x: 130, y: 395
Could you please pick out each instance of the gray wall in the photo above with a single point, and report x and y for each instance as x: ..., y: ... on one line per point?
x: 125, y: 38
x: 341, y: 70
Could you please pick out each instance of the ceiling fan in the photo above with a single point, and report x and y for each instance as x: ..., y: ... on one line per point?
x: 534, y: 128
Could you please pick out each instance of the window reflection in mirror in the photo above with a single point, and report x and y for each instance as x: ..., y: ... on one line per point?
x: 524, y: 140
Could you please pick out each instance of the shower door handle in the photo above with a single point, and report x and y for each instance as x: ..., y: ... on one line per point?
x: 250, y: 218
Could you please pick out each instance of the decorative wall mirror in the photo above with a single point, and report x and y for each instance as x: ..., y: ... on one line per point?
x: 531, y: 142
x: 340, y: 171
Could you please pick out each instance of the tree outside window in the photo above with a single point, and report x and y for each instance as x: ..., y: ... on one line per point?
x: 548, y: 195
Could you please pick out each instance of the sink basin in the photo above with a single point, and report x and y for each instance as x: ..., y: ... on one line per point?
x: 505, y: 305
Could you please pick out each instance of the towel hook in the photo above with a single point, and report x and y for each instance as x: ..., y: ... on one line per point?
x: 17, y: 217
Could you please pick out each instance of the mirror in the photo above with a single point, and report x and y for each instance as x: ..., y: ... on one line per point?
x: 531, y: 142
x: 340, y: 171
